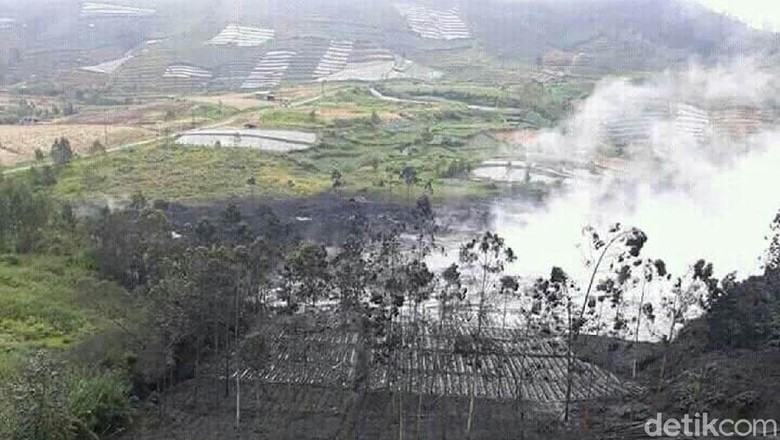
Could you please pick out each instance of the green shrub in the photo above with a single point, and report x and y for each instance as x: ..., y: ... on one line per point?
x: 49, y: 402
x: 99, y: 401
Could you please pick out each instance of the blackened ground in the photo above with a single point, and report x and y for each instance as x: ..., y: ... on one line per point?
x: 326, y: 218
x: 199, y: 410
x: 725, y: 383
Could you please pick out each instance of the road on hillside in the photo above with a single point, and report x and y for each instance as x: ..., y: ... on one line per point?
x: 510, y: 110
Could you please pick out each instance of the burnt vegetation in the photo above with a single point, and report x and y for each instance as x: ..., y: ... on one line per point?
x: 233, y: 323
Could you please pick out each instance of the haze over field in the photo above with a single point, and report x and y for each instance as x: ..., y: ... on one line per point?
x: 695, y: 199
x: 222, y: 218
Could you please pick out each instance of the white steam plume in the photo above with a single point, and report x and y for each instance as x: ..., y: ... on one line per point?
x: 710, y: 196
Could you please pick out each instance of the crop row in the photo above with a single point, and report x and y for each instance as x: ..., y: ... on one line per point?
x: 505, y: 365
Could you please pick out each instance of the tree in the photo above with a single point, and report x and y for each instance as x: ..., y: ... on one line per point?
x: 508, y: 289
x: 695, y: 288
x: 771, y: 258
x: 553, y: 305
x: 61, y: 151
x: 450, y: 293
x: 488, y: 255
x: 40, y: 401
x: 746, y: 315
x: 252, y: 182
x: 335, y: 178
x: 24, y: 213
x: 615, y: 248
x: 233, y: 227
x: 409, y: 176
x: 307, y: 272
x: 351, y: 273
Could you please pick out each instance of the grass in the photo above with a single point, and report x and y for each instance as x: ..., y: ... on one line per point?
x: 549, y: 101
x: 57, y: 304
x: 185, y: 173
x: 369, y: 152
x: 44, y: 304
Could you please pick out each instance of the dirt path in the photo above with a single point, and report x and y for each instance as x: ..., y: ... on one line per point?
x: 508, y: 110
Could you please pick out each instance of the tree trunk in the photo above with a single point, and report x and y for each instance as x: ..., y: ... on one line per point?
x: 471, y: 416
x: 419, y: 414
x: 503, y: 321
x: 238, y: 400
x: 227, y: 364
x: 400, y: 413
x: 569, y: 366
x: 361, y: 376
x: 663, y: 370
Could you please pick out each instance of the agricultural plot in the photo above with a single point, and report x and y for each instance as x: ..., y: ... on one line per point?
x: 242, y: 36
x: 232, y: 73
x: 143, y: 70
x: 546, y: 76
x: 433, y: 23
x: 515, y: 172
x: 18, y: 143
x: 504, y: 365
x: 105, y: 10
x: 186, y: 71
x: 109, y: 67
x: 266, y: 140
x: 365, y: 52
x: 239, y: 101
x: 7, y: 23
x: 334, y: 59
x: 655, y: 117
x: 270, y: 71
x: 384, y: 70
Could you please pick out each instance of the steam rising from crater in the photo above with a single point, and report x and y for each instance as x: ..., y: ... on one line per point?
x: 700, y: 176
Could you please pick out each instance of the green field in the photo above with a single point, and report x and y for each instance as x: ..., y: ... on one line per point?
x: 367, y: 140
x: 45, y: 303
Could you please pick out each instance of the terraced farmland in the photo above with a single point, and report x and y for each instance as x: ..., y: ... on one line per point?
x: 186, y: 71
x: 7, y: 23
x: 364, y: 52
x: 384, y: 70
x: 335, y: 59
x: 105, y: 10
x: 309, y: 53
x: 242, y: 36
x: 143, y: 70
x: 269, y: 72
x: 234, y: 68
x: 433, y: 23
x: 110, y: 66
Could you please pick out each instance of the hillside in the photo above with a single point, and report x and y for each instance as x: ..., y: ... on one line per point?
x: 110, y: 44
